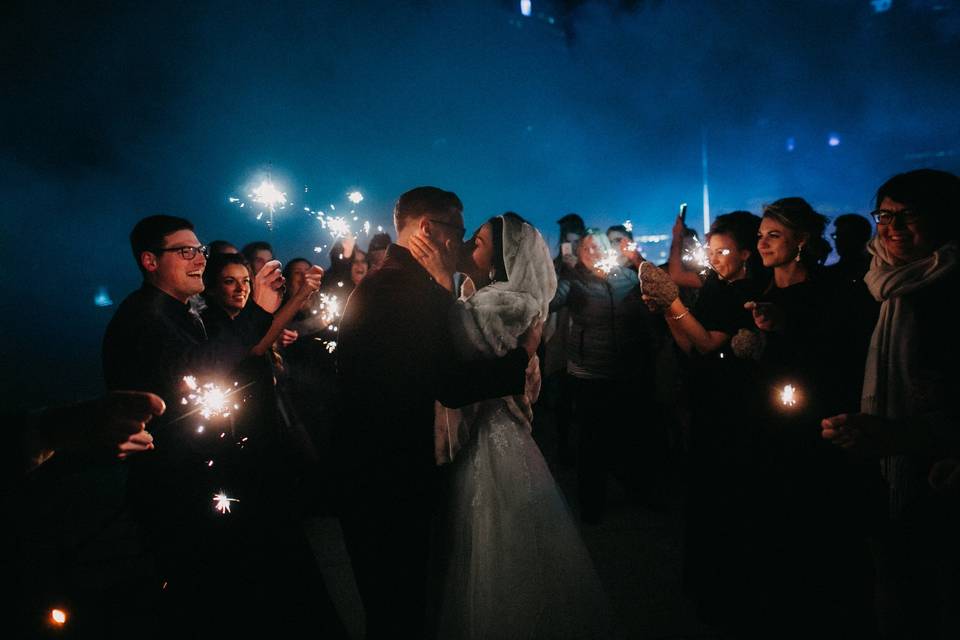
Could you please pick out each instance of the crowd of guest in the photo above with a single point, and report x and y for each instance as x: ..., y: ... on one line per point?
x: 808, y: 406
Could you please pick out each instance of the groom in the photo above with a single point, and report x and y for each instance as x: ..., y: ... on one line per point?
x: 396, y: 358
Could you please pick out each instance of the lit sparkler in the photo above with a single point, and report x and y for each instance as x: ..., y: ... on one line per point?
x: 58, y: 617
x: 329, y: 308
x: 607, y: 264
x: 210, y: 400
x: 221, y: 502
x: 696, y: 257
x: 628, y: 225
x: 355, y: 197
x: 788, y: 395
x: 266, y: 197
x: 337, y: 226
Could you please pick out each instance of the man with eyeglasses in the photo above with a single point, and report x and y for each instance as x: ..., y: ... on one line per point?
x: 152, y: 342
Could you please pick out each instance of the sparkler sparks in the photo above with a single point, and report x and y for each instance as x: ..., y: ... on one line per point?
x: 58, y: 617
x: 209, y: 399
x: 221, y: 502
x: 607, y: 264
x: 266, y: 197
x: 788, y: 396
x: 696, y: 257
x: 355, y: 197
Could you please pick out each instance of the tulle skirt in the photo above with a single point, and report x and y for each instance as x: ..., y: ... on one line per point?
x: 514, y: 565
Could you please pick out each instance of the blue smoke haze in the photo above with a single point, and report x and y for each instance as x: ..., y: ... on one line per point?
x: 119, y: 112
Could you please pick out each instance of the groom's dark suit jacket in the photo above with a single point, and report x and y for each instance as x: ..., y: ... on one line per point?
x: 395, y: 358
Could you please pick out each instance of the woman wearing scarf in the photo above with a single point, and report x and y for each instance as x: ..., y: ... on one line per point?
x: 511, y: 558
x: 909, y: 416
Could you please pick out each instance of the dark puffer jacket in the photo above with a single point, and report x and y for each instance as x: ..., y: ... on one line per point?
x: 610, y: 327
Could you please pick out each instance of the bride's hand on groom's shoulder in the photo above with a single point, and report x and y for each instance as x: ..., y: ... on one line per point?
x: 530, y: 339
x: 439, y: 261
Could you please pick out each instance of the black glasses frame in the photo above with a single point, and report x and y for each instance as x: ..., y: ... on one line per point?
x: 187, y: 253
x: 882, y: 216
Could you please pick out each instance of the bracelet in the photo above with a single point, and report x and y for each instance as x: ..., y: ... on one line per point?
x: 681, y: 316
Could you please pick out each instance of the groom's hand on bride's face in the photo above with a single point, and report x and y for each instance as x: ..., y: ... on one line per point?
x: 530, y: 340
x: 438, y: 261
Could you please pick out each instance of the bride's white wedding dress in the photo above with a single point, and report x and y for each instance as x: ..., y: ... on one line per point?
x: 514, y: 563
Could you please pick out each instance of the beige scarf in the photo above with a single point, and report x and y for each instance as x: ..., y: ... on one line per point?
x: 891, y: 372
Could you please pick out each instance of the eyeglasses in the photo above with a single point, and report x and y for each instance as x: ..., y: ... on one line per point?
x: 188, y: 253
x: 882, y: 216
x: 460, y: 230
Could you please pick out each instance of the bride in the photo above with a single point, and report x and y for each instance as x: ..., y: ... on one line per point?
x: 511, y: 558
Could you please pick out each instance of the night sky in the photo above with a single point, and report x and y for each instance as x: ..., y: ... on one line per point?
x: 114, y: 112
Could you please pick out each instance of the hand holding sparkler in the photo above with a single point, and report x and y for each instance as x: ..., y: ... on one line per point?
x: 657, y: 289
x: 268, y: 286
x: 439, y: 261
x: 288, y: 337
x: 312, y: 279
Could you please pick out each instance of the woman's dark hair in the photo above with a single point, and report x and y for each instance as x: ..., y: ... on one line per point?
x: 215, y: 266
x: 743, y: 227
x: 797, y: 215
x: 496, y: 229
x: 288, y: 269
x: 933, y: 194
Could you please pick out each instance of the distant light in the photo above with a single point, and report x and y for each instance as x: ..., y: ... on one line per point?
x: 355, y: 197
x: 58, y: 616
x: 833, y: 140
x: 791, y: 144
x: 879, y: 6
x: 102, y: 298
x: 526, y: 7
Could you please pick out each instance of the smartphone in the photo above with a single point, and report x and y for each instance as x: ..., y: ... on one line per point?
x: 566, y: 248
x: 683, y: 211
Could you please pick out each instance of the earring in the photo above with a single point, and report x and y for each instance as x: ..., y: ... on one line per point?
x: 799, y: 253
x: 493, y: 274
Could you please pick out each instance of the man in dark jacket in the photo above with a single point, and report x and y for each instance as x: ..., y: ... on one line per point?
x: 396, y: 359
x: 205, y: 585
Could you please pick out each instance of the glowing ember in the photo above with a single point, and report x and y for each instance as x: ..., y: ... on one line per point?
x: 58, y: 617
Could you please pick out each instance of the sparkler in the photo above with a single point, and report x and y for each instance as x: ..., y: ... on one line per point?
x: 266, y: 197
x: 788, y: 396
x: 221, y: 502
x: 696, y: 257
x: 607, y: 264
x: 628, y: 225
x: 58, y: 617
x: 209, y: 400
